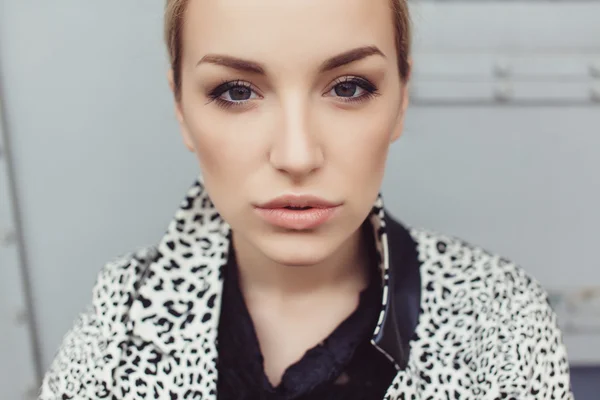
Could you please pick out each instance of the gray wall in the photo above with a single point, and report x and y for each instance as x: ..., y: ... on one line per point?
x: 100, y: 169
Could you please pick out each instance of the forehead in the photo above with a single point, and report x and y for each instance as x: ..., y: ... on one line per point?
x: 273, y: 31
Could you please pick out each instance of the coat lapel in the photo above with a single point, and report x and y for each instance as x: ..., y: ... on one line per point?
x: 177, y: 305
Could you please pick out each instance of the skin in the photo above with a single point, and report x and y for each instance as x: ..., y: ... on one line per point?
x: 293, y: 131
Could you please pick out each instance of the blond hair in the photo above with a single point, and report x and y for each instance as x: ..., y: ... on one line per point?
x: 174, y: 19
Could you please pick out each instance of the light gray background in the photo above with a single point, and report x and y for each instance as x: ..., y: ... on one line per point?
x: 100, y: 168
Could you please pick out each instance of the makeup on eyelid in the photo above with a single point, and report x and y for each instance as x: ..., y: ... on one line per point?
x: 246, y: 88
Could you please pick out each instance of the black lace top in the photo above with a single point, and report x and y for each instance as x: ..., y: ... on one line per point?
x: 343, y: 367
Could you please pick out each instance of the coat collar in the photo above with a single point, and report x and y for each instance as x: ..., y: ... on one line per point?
x: 178, y: 301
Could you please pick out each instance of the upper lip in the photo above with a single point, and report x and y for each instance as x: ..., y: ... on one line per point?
x: 291, y: 200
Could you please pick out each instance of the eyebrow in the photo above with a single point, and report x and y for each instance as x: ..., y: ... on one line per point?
x: 332, y: 63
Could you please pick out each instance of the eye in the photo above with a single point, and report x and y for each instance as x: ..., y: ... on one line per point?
x: 238, y: 93
x: 233, y: 93
x: 351, y: 88
x: 347, y: 89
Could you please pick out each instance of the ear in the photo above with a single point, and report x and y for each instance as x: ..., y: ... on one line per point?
x: 403, y: 104
x: 187, y: 138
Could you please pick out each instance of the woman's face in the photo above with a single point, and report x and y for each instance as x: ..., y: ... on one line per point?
x: 295, y: 97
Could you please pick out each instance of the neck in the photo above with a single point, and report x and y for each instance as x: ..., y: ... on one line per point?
x: 346, y: 269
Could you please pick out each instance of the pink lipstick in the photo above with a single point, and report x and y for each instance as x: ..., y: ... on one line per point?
x: 297, y: 212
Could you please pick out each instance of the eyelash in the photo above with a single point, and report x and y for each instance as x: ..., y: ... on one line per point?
x: 363, y: 83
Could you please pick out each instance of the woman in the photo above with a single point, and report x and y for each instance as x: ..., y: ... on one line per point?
x: 281, y: 276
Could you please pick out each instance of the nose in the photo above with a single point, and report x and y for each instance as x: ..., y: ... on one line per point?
x: 296, y: 150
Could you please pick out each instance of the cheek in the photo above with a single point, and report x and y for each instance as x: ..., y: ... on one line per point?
x: 227, y: 148
x: 363, y: 147
x: 227, y: 160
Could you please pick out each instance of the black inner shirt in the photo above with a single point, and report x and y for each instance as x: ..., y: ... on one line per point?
x: 344, y: 366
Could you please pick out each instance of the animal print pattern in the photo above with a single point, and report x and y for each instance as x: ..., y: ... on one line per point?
x: 485, y: 331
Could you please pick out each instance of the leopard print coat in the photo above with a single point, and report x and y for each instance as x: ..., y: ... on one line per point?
x: 457, y: 321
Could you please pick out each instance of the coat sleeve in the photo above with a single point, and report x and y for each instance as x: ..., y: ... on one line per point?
x: 78, y: 369
x: 90, y: 350
x: 550, y: 373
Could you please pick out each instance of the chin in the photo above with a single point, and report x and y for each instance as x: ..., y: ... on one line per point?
x: 298, y: 251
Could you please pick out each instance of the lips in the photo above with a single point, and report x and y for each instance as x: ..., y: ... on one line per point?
x: 297, y: 212
x: 298, y: 202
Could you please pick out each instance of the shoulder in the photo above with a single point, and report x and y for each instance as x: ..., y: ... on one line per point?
x: 491, y: 315
x: 120, y: 278
x: 471, y: 281
x: 113, y: 293
x: 87, y: 349
x: 465, y: 270
x: 115, y: 289
x: 457, y: 282
x: 448, y: 269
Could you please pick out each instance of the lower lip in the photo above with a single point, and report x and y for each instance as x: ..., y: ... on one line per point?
x: 297, y: 219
